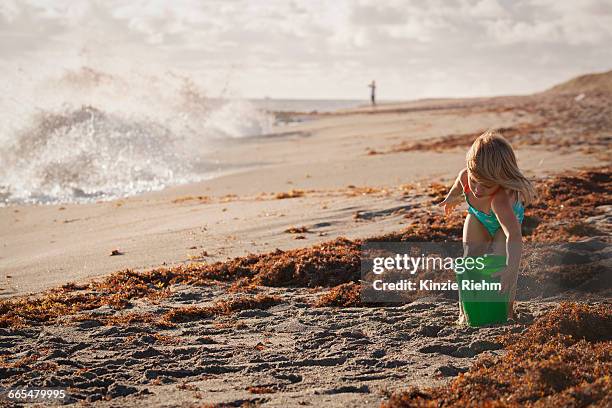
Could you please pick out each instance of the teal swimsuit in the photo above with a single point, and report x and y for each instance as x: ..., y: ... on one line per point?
x: 490, y: 221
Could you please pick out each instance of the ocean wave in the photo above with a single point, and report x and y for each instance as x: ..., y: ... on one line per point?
x: 101, y: 139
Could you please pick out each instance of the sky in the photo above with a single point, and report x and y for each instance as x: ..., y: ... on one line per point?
x: 315, y: 48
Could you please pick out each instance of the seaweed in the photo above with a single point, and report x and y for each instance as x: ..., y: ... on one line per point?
x: 297, y: 230
x: 563, y: 359
x: 290, y: 194
x: 564, y: 201
x: 557, y: 123
x: 223, y: 307
x: 344, y: 295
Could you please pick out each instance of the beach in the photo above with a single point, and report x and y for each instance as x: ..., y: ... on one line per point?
x: 343, y: 190
x: 240, y: 289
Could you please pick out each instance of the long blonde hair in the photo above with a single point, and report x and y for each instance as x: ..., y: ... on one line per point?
x: 491, y: 159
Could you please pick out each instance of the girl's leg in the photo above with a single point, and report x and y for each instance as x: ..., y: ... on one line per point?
x: 476, y: 241
x: 476, y: 238
x: 499, y: 248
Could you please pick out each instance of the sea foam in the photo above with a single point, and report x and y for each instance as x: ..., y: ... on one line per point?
x: 88, y: 135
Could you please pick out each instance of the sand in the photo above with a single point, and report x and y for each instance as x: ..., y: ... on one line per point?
x: 292, y: 353
x: 45, y: 246
x: 288, y: 355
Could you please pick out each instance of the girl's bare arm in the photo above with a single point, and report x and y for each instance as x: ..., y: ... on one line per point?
x: 453, y: 198
x: 459, y: 185
x: 501, y: 205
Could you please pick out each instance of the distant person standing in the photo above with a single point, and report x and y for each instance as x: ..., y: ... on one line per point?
x: 372, y: 86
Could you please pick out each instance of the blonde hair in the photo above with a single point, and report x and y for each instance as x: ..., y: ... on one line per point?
x: 491, y: 159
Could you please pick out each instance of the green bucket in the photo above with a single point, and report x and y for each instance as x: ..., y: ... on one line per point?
x: 482, y: 305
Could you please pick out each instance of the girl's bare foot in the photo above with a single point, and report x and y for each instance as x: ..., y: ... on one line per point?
x: 461, y: 320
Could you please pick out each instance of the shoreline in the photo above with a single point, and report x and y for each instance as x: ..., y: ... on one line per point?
x: 325, y: 180
x: 176, y: 225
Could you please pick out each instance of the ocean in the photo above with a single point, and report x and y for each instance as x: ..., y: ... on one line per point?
x: 88, y: 136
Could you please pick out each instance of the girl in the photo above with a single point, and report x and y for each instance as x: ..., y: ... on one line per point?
x: 495, y: 192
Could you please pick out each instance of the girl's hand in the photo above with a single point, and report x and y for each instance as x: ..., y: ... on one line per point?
x: 449, y: 204
x: 453, y: 198
x: 507, y: 278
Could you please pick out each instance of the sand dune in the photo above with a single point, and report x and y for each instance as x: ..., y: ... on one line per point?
x: 588, y: 83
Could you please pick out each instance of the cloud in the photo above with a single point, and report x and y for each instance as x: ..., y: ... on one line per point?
x: 317, y: 48
x: 378, y: 14
x: 574, y: 23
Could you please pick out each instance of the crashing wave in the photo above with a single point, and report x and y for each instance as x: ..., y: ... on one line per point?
x: 117, y: 143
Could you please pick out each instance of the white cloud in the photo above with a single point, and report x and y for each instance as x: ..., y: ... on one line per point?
x: 317, y: 48
x: 487, y: 9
